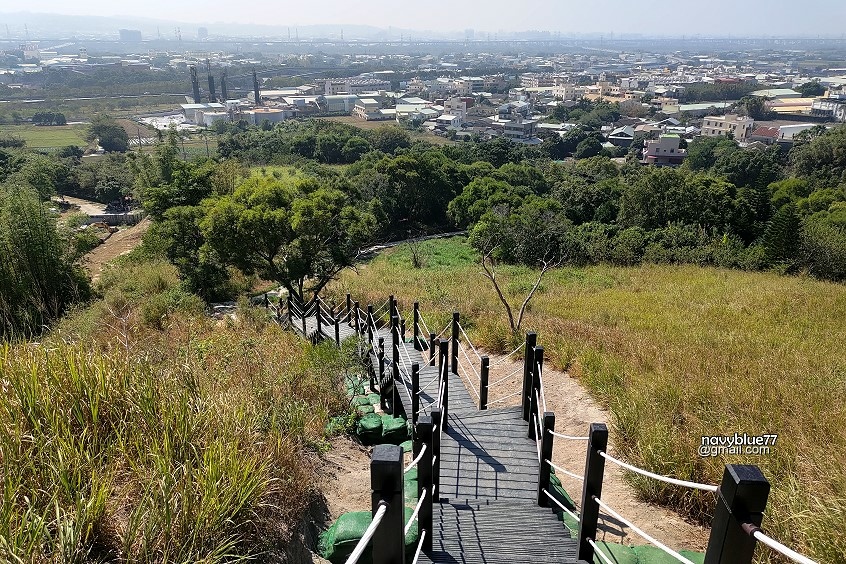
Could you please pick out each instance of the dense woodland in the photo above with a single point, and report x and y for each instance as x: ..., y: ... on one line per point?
x: 303, y: 218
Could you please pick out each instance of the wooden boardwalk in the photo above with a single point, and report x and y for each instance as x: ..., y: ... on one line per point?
x: 486, y: 508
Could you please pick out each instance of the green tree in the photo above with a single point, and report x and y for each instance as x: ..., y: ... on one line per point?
x: 781, y: 238
x: 811, y: 89
x: 110, y: 135
x: 590, y: 147
x: 389, y: 138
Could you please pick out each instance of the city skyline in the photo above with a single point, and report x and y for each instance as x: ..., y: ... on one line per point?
x: 753, y: 18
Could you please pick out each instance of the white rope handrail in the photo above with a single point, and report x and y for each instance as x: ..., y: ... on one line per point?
x: 509, y: 396
x: 443, y: 330
x: 368, y: 534
x: 469, y: 382
x: 758, y: 534
x: 569, y: 437
x: 413, y: 517
x: 419, y: 546
x: 441, y: 394
x: 565, y: 471
x: 501, y: 380
x: 605, y: 559
x: 423, y: 321
x: 469, y: 342
x: 538, y: 434
x: 561, y: 505
x: 677, y: 482
x: 427, y: 406
x: 476, y: 372
x: 506, y: 357
x: 540, y: 383
x: 415, y: 461
x: 640, y: 531
x: 429, y: 383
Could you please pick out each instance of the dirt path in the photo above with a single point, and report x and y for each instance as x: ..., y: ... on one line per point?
x: 574, y: 411
x: 118, y: 244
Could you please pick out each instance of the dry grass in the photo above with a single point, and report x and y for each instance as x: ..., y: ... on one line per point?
x: 141, y: 431
x: 675, y: 353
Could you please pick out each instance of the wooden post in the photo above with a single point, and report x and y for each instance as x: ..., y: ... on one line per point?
x: 424, y: 478
x: 380, y: 354
x: 305, y: 331
x: 483, y: 382
x: 534, y: 393
x: 349, y: 307
x: 357, y: 319
x: 395, y: 372
x: 454, y: 339
x: 415, y: 392
x: 436, y: 453
x: 391, y: 307
x: 417, y: 345
x: 546, y: 454
x: 369, y: 321
x: 338, y: 331
x: 528, y: 360
x: 592, y: 487
x: 444, y: 367
x: 319, y: 316
x: 432, y: 344
x: 742, y: 498
x: 402, y: 329
x: 288, y: 303
x: 386, y: 481
x: 266, y: 301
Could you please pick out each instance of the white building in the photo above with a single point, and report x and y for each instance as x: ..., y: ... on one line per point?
x: 664, y: 151
x: 740, y: 127
x: 456, y: 107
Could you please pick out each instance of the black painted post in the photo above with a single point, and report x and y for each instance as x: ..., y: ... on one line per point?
x: 415, y: 392
x: 402, y: 329
x: 424, y: 478
x: 454, y: 339
x: 318, y: 315
x: 386, y: 481
x: 742, y: 498
x: 380, y: 355
x: 357, y: 319
x: 395, y: 374
x: 288, y: 303
x: 444, y: 367
x: 266, y: 301
x: 349, y: 307
x: 436, y: 453
x: 534, y: 398
x: 369, y: 321
x: 417, y: 345
x: 305, y: 331
x: 279, y: 314
x: 483, y: 382
x: 592, y: 488
x: 392, y: 304
x: 546, y: 454
x: 528, y: 360
x: 338, y: 331
x: 432, y: 345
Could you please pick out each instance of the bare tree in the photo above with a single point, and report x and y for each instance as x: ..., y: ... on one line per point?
x: 489, y: 267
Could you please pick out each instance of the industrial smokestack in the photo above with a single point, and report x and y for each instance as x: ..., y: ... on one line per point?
x: 212, y: 97
x: 224, y: 94
x: 256, y: 90
x: 195, y: 85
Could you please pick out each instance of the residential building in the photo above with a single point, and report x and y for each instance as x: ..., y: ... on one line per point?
x: 831, y: 108
x: 367, y: 109
x: 456, y: 107
x: 622, y: 136
x: 740, y: 127
x: 519, y: 128
x: 664, y: 151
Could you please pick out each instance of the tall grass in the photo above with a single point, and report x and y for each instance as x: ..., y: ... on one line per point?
x: 179, y: 440
x: 675, y: 353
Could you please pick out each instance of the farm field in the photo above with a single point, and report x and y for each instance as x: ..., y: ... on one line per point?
x: 370, y: 125
x: 46, y: 137
x: 675, y: 353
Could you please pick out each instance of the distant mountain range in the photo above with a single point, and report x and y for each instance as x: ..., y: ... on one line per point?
x: 59, y: 26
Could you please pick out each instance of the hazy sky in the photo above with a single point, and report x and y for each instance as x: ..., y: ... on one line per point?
x: 706, y: 17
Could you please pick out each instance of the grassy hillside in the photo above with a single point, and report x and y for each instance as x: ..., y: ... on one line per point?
x: 141, y: 430
x: 47, y: 137
x: 675, y: 353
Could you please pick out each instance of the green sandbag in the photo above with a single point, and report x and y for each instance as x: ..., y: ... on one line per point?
x: 338, y: 541
x: 394, y: 430
x: 355, y: 389
x: 411, y: 475
x: 408, y: 446
x: 373, y: 399
x: 571, y: 524
x: 618, y: 554
x: 369, y: 429
x: 361, y: 400
x: 365, y: 409
x: 648, y: 554
x: 560, y: 494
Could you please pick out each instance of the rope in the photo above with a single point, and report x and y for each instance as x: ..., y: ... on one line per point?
x: 559, y: 504
x: 506, y: 397
x: 758, y: 534
x: 570, y: 437
x: 506, y: 357
x: 501, y: 380
x: 368, y: 534
x: 469, y: 382
x: 419, y: 546
x: 639, y: 531
x: 469, y: 342
x: 564, y: 471
x: 601, y: 554
x: 423, y: 321
x: 429, y: 383
x: 427, y: 406
x: 540, y: 381
x: 692, y: 485
x: 414, y: 515
x: 443, y: 330
x: 461, y: 348
x: 539, y: 433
